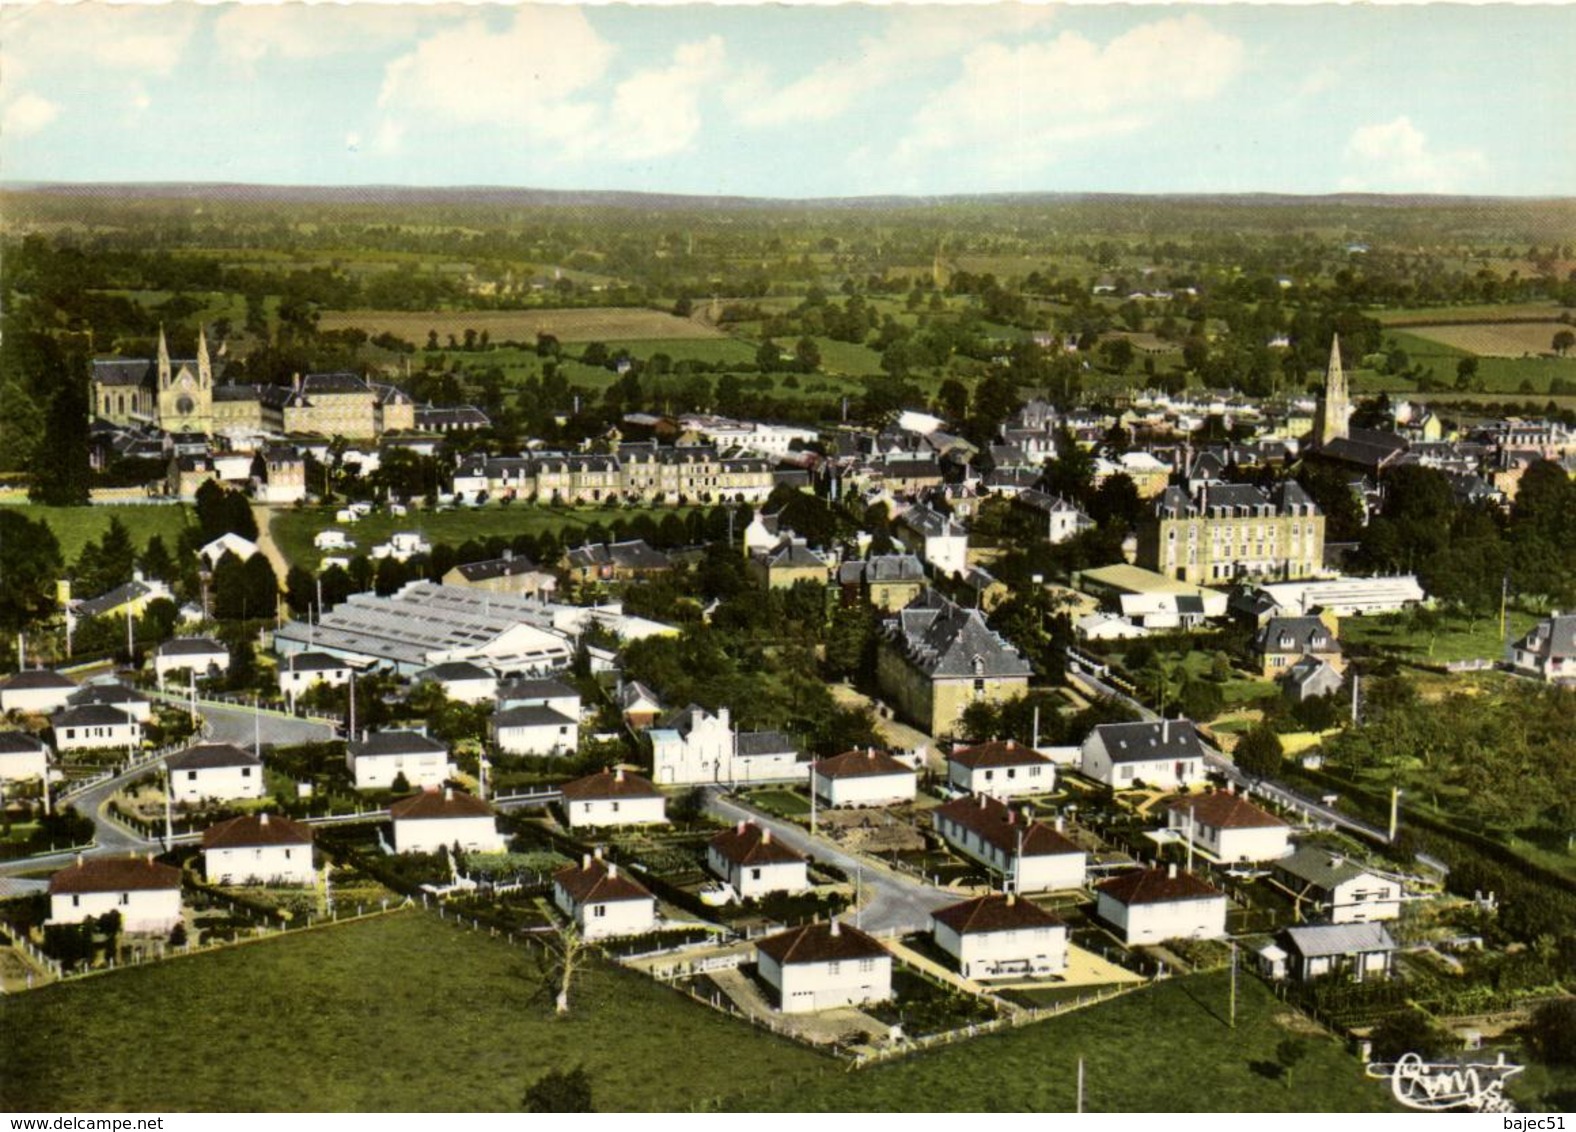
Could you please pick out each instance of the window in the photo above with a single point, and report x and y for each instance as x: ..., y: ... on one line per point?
x: 598, y: 910
x: 755, y: 874
x: 76, y: 901
x: 246, y: 772
x: 615, y: 807
x: 125, y: 898
x: 866, y: 966
x: 834, y: 968
x: 191, y: 776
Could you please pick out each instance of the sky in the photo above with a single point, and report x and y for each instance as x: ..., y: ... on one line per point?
x: 797, y: 100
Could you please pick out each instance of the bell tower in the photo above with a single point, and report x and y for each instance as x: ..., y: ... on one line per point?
x: 1334, y: 404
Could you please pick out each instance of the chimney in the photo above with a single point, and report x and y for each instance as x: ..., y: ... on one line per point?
x: 150, y: 856
x: 983, y: 801
x: 1171, y: 870
x: 836, y: 929
x: 585, y: 861
x: 79, y: 860
x: 1012, y: 816
x: 262, y: 820
x: 448, y: 793
x: 363, y: 734
x: 612, y: 871
x: 1012, y: 898
x: 597, y: 852
x: 870, y: 753
x: 766, y: 837
x: 742, y: 826
x: 295, y: 382
x: 508, y: 554
x: 618, y: 775
x: 1165, y: 731
x: 1061, y: 823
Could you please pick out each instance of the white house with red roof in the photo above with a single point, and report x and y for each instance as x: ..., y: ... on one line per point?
x: 755, y: 863
x: 863, y: 778
x: 258, y: 849
x: 434, y: 820
x: 821, y: 965
x: 603, y: 899
x: 215, y: 770
x: 146, y: 893
x: 613, y: 797
x: 1001, y: 768
x: 1152, y: 905
x: 1228, y: 827
x: 1001, y: 936
x: 1031, y: 856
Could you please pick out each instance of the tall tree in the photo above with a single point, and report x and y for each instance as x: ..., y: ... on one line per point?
x: 30, y: 564
x: 61, y: 474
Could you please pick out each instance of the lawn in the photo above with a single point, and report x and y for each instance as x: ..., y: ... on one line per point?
x: 1499, y: 375
x: 1481, y: 312
x: 783, y: 803
x: 294, y: 530
x: 75, y: 527
x: 405, y: 1013
x: 1454, y: 638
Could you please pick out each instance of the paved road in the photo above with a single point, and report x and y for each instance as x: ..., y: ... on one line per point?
x: 238, y: 725
x: 892, y: 900
x: 264, y: 515
x: 1219, y: 763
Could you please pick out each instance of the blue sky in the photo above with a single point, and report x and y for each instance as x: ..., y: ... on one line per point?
x: 797, y: 101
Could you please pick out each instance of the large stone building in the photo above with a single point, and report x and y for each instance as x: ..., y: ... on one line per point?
x: 936, y: 657
x: 1224, y: 532
x: 174, y: 394
x: 647, y: 474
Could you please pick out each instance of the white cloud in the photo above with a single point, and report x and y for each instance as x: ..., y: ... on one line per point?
x: 249, y: 33
x: 26, y: 115
x: 914, y: 36
x: 148, y: 40
x: 656, y: 113
x: 1017, y: 105
x: 526, y: 75
x: 1395, y: 156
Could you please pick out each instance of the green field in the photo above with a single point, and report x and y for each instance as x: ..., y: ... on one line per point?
x: 75, y: 527
x: 1479, y: 312
x: 1454, y: 637
x: 294, y: 530
x: 405, y: 1013
x: 1498, y: 375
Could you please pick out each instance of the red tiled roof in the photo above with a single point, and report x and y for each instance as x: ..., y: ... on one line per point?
x: 115, y: 874
x: 998, y: 824
x: 609, y: 784
x: 256, y: 830
x: 432, y: 805
x: 868, y: 763
x: 820, y: 943
x: 996, y: 753
x: 1157, y: 886
x: 995, y: 913
x: 598, y: 883
x: 1225, y: 810
x: 749, y: 844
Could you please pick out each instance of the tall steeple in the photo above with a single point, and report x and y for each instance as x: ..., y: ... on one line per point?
x: 204, y: 366
x: 1334, y: 404
x: 164, y: 360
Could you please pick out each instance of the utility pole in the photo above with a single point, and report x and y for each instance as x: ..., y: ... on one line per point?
x: 1190, y: 822
x: 1233, y: 984
x: 1355, y: 679
x: 1395, y: 811
x: 1080, y: 1085
x: 812, y: 799
x: 169, y: 820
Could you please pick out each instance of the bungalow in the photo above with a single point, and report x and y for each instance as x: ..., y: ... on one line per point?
x: 1359, y: 951
x: 202, y: 656
x: 755, y: 863
x: 1228, y: 827
x: 461, y: 680
x: 1548, y: 651
x: 821, y: 965
x: 87, y: 728
x: 115, y: 695
x: 1035, y: 856
x: 214, y: 770
x: 1283, y: 641
x: 1152, y: 905
x: 639, y: 705
x: 258, y: 849
x: 303, y: 670
x: 1333, y: 886
x: 1166, y: 754
x: 863, y: 778
x: 433, y: 820
x: 1001, y: 936
x: 1003, y: 769
x: 145, y: 893
x: 23, y: 756
x: 603, y: 900
x: 381, y: 757
x: 535, y: 730
x: 613, y: 797
x: 35, y: 691
x: 540, y: 692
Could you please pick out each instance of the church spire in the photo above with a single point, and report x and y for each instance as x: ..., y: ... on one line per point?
x: 1334, y: 403
x: 164, y: 359
x: 204, y: 366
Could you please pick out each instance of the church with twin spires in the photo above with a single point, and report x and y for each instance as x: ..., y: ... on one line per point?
x: 175, y: 395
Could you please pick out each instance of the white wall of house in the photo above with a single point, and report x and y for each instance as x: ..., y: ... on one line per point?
x: 545, y: 739
x: 1049, y: 872
x: 1168, y: 774
x: 1177, y: 919
x: 128, y: 734
x: 1253, y: 843
x: 1003, y: 782
x: 783, y: 766
x: 478, y: 691
x: 1364, y: 899
x: 753, y: 881
x: 141, y: 910
x: 216, y: 782
x: 34, y: 701
x: 616, y: 811
x: 705, y: 754
x: 947, y: 554
x: 804, y: 987
x: 259, y: 864
x: 1033, y: 952
x: 164, y: 665
x: 609, y: 918
x: 20, y: 766
x: 294, y: 683
x: 866, y: 790
x: 477, y: 834
x: 378, y: 772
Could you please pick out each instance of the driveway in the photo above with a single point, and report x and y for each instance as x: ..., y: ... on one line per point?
x: 891, y: 901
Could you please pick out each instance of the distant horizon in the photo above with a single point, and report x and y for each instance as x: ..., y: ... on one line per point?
x: 797, y: 103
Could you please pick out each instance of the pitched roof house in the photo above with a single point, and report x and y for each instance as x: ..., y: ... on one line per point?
x: 613, y: 797
x: 603, y: 899
x: 755, y: 863
x: 1001, y: 936
x: 35, y: 691
x: 1283, y: 641
x: 22, y: 757
x: 863, y: 778
x: 258, y: 849
x: 821, y: 965
x: 433, y: 820
x: 145, y: 893
x: 215, y: 770
x: 1031, y: 856
x: 1002, y: 768
x: 1330, y: 884
x: 1152, y: 905
x: 1166, y: 754
x: 1228, y: 827
x: 379, y: 758
x: 1548, y: 651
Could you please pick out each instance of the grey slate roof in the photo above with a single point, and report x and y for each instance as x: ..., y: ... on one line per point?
x: 396, y: 743
x: 943, y: 639
x: 1319, y: 867
x: 19, y: 742
x: 33, y: 679
x: 1150, y: 742
x: 528, y: 691
x: 114, y: 599
x: 1553, y: 638
x: 192, y: 646
x: 530, y: 715
x: 455, y: 670
x: 1296, y: 634
x: 1310, y: 940
x: 207, y: 756
x: 755, y: 743
x: 107, y: 694
x: 496, y: 568
x: 312, y: 662
x: 91, y: 715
